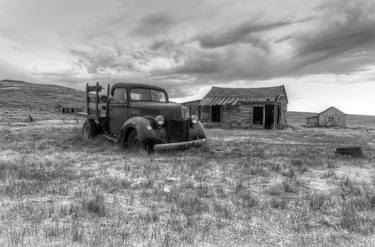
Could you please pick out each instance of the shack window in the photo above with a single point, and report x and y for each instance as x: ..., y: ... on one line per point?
x: 119, y: 96
x: 258, y: 115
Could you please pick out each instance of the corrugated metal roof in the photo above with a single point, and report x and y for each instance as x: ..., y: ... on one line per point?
x: 219, y: 101
x: 233, y: 96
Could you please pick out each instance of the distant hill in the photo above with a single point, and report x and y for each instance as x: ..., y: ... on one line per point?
x: 19, y: 98
x: 32, y: 96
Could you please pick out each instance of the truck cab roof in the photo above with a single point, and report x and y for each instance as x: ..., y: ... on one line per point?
x: 136, y: 85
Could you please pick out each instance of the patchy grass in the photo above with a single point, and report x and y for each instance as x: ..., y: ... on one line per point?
x: 247, y: 187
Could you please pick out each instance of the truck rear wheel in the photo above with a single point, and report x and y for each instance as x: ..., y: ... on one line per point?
x: 89, y: 129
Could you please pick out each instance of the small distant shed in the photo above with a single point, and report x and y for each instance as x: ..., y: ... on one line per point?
x: 331, y: 117
x: 264, y: 107
x: 70, y: 109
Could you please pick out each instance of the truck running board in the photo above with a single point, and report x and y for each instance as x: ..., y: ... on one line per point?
x: 178, y: 145
x: 111, y: 138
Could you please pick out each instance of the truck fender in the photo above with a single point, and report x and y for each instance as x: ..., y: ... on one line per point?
x: 197, y: 131
x: 143, y: 128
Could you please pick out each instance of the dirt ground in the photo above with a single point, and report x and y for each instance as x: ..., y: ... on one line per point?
x: 245, y: 188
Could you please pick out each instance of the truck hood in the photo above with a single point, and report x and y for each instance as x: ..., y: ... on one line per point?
x: 153, y: 109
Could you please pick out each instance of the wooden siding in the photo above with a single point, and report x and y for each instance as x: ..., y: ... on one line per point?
x: 332, y: 117
x: 242, y: 115
x: 312, y: 121
x: 206, y: 113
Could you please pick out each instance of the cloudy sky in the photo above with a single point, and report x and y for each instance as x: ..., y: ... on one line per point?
x: 322, y: 51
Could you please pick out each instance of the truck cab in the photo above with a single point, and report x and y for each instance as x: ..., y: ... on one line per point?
x: 140, y: 115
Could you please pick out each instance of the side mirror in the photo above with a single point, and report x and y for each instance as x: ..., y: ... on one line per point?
x: 108, y: 99
x: 104, y: 99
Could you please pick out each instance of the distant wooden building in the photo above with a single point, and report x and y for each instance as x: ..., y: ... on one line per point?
x: 243, y: 107
x: 331, y: 117
x: 70, y: 109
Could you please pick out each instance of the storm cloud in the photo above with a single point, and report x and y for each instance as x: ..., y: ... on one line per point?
x: 153, y: 24
x: 188, y: 46
x: 242, y: 33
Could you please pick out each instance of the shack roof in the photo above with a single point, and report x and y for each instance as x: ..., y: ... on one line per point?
x: 330, y: 108
x: 233, y: 96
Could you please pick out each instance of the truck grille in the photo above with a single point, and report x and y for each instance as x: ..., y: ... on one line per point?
x: 178, y: 130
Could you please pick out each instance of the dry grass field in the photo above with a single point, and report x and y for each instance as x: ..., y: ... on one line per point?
x: 245, y: 188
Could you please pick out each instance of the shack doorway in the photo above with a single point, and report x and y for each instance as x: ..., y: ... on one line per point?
x: 215, y: 113
x: 269, y: 116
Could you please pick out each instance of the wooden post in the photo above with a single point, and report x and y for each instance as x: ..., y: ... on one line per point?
x: 97, y: 99
x: 107, y: 103
x: 87, y: 99
x: 264, y: 116
x: 274, y: 117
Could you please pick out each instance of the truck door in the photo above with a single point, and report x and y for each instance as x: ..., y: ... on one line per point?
x: 118, y: 110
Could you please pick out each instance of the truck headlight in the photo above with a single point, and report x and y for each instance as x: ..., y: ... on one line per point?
x: 194, y: 119
x: 160, y: 120
x: 185, y: 113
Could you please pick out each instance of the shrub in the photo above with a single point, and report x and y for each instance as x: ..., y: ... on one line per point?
x: 278, y: 202
x: 191, y: 204
x: 288, y: 173
x: 249, y: 200
x: 288, y: 186
x: 223, y: 210
x: 317, y: 201
x: 260, y: 171
x: 354, y: 221
x: 95, y: 204
x: 349, y: 187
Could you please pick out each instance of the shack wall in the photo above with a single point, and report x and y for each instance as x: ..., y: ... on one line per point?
x: 241, y: 115
x: 283, y: 112
x: 312, y: 122
x: 332, y: 118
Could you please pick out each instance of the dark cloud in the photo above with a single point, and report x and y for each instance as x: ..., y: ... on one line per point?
x: 242, y: 33
x: 340, y: 40
x: 152, y: 24
x: 345, y: 43
x: 164, y: 44
x: 100, y: 61
x: 205, y: 63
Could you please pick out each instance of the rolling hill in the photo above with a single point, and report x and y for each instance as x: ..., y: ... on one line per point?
x: 19, y: 99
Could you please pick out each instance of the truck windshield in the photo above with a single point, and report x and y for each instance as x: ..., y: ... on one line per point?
x: 147, y: 94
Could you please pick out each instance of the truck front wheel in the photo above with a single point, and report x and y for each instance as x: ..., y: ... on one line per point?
x: 89, y: 129
x: 135, y: 142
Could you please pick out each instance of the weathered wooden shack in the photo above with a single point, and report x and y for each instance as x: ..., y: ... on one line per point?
x: 243, y: 107
x: 331, y: 117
